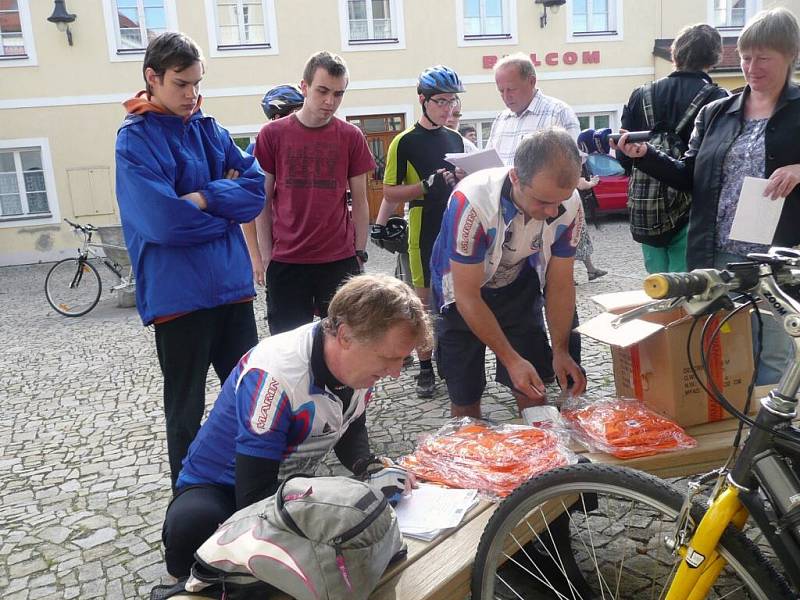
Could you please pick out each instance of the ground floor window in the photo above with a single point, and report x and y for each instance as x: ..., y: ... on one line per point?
x: 23, y: 191
x: 596, y: 120
x: 243, y: 140
x: 483, y: 128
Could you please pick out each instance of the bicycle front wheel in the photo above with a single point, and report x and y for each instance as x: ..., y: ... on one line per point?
x: 595, y: 531
x: 73, y: 287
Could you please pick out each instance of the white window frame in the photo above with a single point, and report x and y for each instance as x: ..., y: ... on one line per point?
x: 29, y: 59
x: 615, y: 17
x: 482, y: 116
x: 752, y: 7
x: 270, y: 25
x: 398, y: 30
x: 248, y: 131
x: 43, y: 145
x: 509, y: 22
x: 613, y: 111
x: 116, y: 54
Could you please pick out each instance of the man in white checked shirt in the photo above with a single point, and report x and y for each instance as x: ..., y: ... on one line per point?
x: 527, y: 108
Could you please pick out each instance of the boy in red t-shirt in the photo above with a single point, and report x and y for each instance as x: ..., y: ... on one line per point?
x: 308, y: 240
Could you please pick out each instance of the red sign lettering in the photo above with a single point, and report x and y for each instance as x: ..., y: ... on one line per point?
x: 552, y: 59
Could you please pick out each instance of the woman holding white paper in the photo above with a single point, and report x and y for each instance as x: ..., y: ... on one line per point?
x: 751, y: 134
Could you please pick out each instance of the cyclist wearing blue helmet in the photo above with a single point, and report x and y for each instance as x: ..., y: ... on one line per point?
x: 417, y: 173
x: 282, y: 101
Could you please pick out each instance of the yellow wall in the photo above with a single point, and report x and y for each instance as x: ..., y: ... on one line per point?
x: 71, y: 97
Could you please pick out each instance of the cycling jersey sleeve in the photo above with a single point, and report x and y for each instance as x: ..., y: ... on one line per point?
x: 393, y: 174
x: 354, y: 443
x: 566, y: 239
x: 264, y: 414
x: 468, y: 242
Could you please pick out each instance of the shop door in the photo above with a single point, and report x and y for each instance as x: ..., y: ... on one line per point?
x: 379, y: 131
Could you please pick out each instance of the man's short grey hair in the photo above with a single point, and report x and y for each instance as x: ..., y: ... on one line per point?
x: 522, y: 62
x: 553, y: 149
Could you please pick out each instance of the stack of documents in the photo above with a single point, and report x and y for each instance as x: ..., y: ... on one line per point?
x: 474, y: 161
x: 430, y: 509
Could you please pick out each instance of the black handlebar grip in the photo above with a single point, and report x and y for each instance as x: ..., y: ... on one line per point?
x: 633, y: 137
x: 675, y: 285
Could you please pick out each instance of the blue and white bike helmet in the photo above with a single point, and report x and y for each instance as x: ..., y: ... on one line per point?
x: 282, y: 100
x: 439, y: 80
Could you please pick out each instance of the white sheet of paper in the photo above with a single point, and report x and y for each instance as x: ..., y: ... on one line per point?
x: 475, y: 161
x: 756, y: 215
x: 431, y: 508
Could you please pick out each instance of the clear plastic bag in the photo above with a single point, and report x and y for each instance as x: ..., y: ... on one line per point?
x: 496, y: 459
x: 624, y: 427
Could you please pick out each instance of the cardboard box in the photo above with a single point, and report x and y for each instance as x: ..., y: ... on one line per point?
x: 650, y: 362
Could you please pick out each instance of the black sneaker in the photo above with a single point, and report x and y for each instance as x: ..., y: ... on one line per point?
x: 426, y: 382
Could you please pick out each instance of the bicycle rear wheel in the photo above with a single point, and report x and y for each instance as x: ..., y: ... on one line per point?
x: 73, y: 287
x: 595, y: 531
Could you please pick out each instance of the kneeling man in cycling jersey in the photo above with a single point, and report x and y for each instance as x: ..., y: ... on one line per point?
x: 290, y: 400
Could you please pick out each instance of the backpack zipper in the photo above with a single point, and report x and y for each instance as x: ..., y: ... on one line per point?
x: 342, y: 567
x: 368, y: 520
x: 350, y: 534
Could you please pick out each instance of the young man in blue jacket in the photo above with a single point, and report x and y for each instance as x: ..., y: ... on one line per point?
x: 183, y: 188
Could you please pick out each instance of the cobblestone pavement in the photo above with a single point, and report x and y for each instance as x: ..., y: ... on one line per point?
x: 83, y: 473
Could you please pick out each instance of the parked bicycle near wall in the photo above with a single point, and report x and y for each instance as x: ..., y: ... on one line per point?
x: 73, y: 285
x: 597, y: 531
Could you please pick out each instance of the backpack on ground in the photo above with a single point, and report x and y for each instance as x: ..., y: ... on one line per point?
x: 656, y: 210
x: 317, y: 538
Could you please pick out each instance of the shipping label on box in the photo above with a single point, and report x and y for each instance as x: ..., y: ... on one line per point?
x: 650, y: 362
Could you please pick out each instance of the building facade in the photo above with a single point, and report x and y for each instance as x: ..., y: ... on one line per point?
x: 61, y: 88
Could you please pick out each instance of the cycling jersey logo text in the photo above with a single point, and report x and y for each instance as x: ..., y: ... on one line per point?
x: 263, y: 406
x: 466, y: 230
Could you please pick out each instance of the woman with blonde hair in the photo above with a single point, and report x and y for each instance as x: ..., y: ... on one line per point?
x: 751, y: 134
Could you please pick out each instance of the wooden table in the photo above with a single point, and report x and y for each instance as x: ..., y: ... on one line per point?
x: 441, y: 569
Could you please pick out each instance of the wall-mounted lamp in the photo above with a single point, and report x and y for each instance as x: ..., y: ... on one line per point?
x: 62, y: 18
x: 553, y: 5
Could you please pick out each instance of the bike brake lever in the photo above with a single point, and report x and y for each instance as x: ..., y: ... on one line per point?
x: 635, y: 313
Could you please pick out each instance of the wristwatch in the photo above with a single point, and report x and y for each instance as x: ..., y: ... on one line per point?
x: 362, y: 255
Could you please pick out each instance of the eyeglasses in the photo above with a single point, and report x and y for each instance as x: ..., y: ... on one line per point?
x: 456, y: 115
x: 443, y: 102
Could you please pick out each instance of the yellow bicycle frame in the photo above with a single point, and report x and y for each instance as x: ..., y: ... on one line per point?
x: 701, y: 564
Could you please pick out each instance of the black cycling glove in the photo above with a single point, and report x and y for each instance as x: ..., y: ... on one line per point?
x: 377, y: 233
x: 436, y: 186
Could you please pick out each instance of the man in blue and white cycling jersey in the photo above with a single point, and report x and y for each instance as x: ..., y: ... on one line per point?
x: 290, y: 401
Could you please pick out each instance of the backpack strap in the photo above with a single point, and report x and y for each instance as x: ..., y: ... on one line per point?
x: 693, y: 108
x: 281, y: 506
x: 647, y: 105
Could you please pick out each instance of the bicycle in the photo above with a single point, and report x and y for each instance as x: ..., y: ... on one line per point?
x: 597, y: 531
x: 73, y: 285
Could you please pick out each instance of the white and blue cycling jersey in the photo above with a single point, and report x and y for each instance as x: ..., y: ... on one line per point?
x: 270, y: 407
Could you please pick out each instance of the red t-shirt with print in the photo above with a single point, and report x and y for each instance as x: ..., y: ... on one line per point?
x: 310, y: 220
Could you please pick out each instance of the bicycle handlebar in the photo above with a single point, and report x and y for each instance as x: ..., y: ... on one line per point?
x: 85, y: 228
x: 676, y: 285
